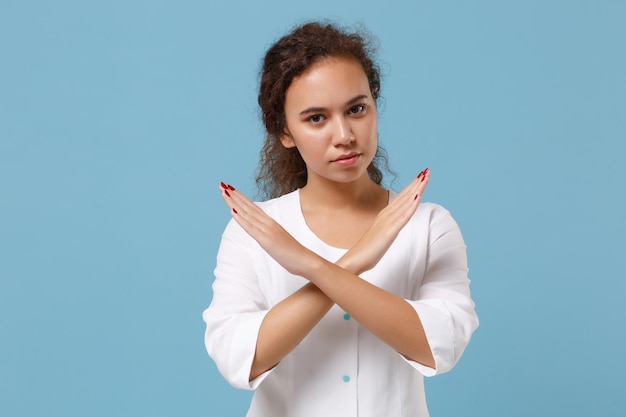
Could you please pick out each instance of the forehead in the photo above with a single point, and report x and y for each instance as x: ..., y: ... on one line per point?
x: 327, y: 81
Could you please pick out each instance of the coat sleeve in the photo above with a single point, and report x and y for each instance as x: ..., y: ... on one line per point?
x: 238, y: 307
x: 443, y: 302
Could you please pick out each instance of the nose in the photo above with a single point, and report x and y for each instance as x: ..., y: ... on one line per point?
x: 343, y: 132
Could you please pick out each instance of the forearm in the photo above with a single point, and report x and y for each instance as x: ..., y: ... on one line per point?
x: 289, y: 321
x: 388, y: 316
x: 286, y: 324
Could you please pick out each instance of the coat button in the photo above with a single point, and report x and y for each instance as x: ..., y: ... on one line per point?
x: 346, y: 378
x: 346, y: 316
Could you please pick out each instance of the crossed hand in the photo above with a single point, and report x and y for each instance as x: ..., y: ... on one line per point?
x: 289, y: 321
x: 292, y: 256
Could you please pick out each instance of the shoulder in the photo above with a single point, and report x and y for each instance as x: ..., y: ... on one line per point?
x: 430, y: 221
x: 433, y: 212
x: 436, y: 217
x: 427, y: 211
x: 436, y: 222
x: 276, y: 206
x: 281, y: 208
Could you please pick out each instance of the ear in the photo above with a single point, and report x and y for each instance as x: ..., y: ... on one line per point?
x: 287, y: 140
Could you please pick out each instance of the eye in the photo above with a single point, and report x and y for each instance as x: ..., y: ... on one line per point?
x: 359, y: 108
x: 315, y: 119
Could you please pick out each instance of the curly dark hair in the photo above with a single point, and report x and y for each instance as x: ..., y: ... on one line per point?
x: 282, y: 170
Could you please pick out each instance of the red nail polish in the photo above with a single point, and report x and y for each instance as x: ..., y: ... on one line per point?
x: 423, y: 178
x: 226, y: 192
x: 224, y: 186
x: 230, y: 187
x: 234, y: 210
x: 415, y: 198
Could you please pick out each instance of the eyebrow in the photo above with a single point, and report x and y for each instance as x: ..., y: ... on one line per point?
x: 321, y: 109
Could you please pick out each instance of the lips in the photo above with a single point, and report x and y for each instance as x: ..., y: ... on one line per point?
x: 346, y: 157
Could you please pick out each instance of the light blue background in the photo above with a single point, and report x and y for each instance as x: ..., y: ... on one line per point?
x: 118, y: 119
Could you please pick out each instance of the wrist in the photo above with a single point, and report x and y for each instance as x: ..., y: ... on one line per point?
x: 348, y: 263
x: 310, y: 265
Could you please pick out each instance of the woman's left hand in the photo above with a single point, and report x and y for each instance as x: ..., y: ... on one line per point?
x: 373, y: 245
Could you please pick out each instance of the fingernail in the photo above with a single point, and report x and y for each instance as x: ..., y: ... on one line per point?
x: 423, y: 178
x: 230, y: 187
x: 234, y: 210
x: 420, y: 174
x: 416, y: 195
x: 226, y: 192
x: 224, y: 186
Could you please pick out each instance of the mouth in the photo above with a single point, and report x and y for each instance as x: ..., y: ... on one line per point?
x: 347, y: 159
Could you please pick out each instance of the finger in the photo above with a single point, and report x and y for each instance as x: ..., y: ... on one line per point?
x: 236, y: 200
x: 411, y: 192
x: 247, y: 208
x: 416, y: 185
x: 406, y: 202
x: 240, y: 211
x: 272, y: 237
x: 248, y: 214
x: 424, y: 181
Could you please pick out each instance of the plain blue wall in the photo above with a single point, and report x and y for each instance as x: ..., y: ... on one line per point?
x: 118, y: 119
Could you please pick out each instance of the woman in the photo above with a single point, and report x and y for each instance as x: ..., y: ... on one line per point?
x: 336, y: 296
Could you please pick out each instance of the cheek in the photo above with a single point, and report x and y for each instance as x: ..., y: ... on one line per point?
x: 311, y: 145
x: 370, y: 131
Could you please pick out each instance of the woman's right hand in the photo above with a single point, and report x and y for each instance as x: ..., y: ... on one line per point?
x: 270, y: 235
x: 369, y: 250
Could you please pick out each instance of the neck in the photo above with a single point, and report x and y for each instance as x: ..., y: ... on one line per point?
x: 321, y: 193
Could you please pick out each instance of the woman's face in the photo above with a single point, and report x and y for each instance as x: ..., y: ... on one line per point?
x: 331, y: 119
